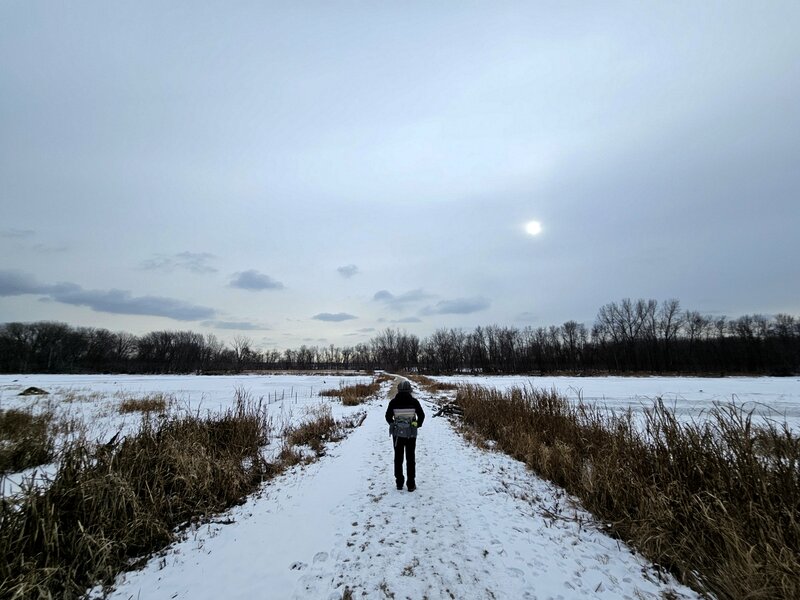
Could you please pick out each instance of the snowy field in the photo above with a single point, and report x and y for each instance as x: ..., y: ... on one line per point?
x: 93, y: 401
x: 479, y: 525
x: 774, y: 398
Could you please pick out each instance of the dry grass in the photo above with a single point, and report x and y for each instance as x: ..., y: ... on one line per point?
x: 431, y: 385
x: 290, y: 456
x: 318, y: 428
x: 72, y: 395
x: 381, y: 377
x: 112, y: 503
x: 26, y: 439
x: 717, y: 502
x: 157, y: 403
x: 353, y: 395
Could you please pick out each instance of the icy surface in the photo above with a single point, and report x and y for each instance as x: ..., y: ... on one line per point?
x: 775, y: 398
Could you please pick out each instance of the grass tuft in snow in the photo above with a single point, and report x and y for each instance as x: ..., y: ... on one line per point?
x: 152, y: 403
x: 319, y: 428
x: 353, y: 395
x: 26, y: 439
x: 716, y: 502
x: 431, y: 385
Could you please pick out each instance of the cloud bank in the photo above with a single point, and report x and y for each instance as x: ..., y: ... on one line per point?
x: 17, y: 283
x: 334, y: 317
x: 254, y: 281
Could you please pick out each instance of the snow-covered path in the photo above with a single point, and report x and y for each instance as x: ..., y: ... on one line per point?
x: 478, y: 526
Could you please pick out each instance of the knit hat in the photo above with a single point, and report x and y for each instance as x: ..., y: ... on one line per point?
x: 405, y: 386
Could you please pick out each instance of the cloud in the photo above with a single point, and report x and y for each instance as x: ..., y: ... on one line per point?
x: 334, y: 317
x: 17, y: 233
x: 348, y: 271
x: 17, y: 283
x: 457, y: 306
x: 196, y: 262
x: 407, y: 320
x: 399, y: 302
x: 237, y: 325
x: 366, y: 329
x: 123, y: 303
x: 254, y: 281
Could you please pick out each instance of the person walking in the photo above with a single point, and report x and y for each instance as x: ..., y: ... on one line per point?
x: 405, y: 416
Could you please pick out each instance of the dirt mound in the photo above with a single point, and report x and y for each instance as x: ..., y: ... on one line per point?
x: 33, y: 391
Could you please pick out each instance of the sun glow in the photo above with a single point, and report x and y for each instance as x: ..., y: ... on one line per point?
x: 533, y: 228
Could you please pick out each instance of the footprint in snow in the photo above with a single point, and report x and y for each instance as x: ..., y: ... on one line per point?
x: 320, y: 557
x: 298, y: 566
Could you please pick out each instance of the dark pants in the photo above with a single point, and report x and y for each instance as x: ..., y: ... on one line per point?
x: 407, y: 445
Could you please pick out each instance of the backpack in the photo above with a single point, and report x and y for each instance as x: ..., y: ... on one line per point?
x: 401, y: 426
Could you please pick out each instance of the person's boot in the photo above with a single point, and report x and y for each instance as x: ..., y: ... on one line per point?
x: 411, y: 486
x: 399, y: 484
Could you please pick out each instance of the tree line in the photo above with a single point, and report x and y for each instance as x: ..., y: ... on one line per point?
x: 630, y: 336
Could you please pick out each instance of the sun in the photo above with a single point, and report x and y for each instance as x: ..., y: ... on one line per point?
x: 533, y: 227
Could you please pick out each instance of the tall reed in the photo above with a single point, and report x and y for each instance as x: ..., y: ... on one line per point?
x: 716, y: 501
x: 112, y: 503
x: 26, y: 439
x: 353, y: 395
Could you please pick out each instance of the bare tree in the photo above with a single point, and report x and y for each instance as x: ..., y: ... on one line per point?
x: 241, y: 346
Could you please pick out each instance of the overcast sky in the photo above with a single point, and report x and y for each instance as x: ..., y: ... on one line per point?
x: 304, y: 172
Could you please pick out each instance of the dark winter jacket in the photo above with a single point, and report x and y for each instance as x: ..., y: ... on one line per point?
x: 404, y: 400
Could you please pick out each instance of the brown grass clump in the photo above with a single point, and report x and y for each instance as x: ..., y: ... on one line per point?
x: 318, y: 428
x: 716, y: 502
x: 290, y: 456
x: 353, y: 395
x: 26, y: 440
x: 432, y: 385
x: 112, y: 503
x: 148, y: 404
